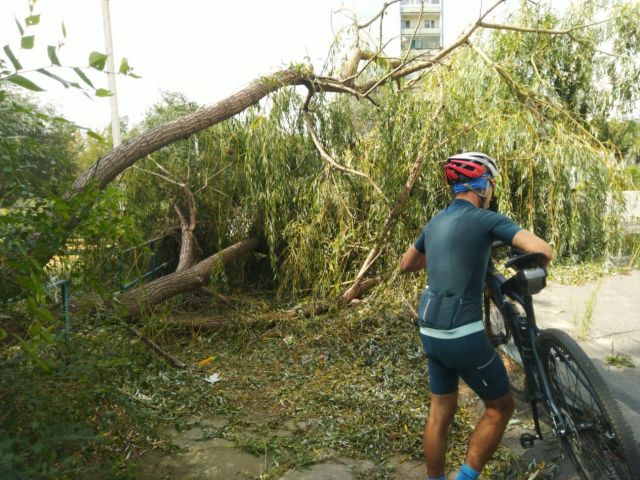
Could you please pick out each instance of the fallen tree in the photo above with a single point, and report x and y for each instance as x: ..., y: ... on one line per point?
x: 134, y: 301
x: 368, y: 77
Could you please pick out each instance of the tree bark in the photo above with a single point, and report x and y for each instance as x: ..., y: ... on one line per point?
x: 107, y: 168
x: 135, y: 301
x: 189, y: 248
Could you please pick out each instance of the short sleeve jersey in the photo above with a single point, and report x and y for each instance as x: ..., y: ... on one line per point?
x: 457, y: 244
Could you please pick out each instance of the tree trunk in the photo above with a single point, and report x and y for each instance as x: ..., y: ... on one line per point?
x: 135, y: 301
x: 107, y: 168
x: 189, y: 248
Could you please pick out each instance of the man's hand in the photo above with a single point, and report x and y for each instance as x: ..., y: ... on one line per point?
x: 412, y: 260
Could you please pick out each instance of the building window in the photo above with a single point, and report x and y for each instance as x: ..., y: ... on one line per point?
x: 406, y: 24
x: 430, y: 23
x: 421, y: 42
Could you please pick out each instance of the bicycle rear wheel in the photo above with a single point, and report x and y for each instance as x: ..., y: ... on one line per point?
x: 497, y: 329
x: 598, y: 439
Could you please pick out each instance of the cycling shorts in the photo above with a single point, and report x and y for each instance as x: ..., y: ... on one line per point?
x: 471, y: 357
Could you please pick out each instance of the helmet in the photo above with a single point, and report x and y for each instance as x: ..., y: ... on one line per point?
x: 468, y: 166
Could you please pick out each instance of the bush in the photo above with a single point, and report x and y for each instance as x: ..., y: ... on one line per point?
x: 634, y: 177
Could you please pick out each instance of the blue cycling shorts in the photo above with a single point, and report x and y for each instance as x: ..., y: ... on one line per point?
x: 471, y: 357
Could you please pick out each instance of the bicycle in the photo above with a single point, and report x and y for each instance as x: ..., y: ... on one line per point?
x: 550, y: 368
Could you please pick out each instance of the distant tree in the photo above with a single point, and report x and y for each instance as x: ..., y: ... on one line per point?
x: 37, y: 151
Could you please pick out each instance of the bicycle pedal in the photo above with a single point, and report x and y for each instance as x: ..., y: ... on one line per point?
x: 527, y: 440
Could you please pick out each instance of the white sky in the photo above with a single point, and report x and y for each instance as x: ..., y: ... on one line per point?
x: 206, y: 49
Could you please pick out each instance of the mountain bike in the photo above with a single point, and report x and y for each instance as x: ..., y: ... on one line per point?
x: 548, y: 367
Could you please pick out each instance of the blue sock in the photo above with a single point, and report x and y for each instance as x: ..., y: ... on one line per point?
x: 467, y: 473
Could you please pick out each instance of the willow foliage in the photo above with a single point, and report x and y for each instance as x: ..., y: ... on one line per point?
x: 261, y: 174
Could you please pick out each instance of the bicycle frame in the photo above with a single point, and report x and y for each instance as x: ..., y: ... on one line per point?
x: 524, y: 332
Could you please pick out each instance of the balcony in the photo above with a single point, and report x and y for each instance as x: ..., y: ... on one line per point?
x: 414, y: 6
x: 419, y: 43
x: 420, y: 31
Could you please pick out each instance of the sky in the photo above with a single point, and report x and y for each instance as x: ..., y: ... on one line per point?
x: 206, y: 49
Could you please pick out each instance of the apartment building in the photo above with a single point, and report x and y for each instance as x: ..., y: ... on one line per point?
x: 420, y: 25
x: 439, y: 24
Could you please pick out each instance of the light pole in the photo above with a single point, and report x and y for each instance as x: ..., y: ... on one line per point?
x: 111, y: 74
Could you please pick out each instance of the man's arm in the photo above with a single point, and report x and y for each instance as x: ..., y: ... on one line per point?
x: 412, y: 260
x: 528, y: 242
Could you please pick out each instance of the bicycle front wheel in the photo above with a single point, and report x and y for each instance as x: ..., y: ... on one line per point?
x: 598, y: 439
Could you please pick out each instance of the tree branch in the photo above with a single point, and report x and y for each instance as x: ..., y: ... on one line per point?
x: 323, y: 153
x: 353, y: 291
x: 176, y: 362
x: 497, y: 26
x: 167, y: 179
x: 414, y: 67
x: 378, y: 15
x: 538, y: 98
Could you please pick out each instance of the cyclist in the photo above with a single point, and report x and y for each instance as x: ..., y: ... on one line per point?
x: 455, y: 247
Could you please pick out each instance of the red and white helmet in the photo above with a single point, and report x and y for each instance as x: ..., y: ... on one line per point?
x: 468, y: 166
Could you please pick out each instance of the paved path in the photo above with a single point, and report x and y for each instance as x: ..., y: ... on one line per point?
x: 602, y: 315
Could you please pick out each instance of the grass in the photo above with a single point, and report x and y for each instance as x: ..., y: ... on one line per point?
x: 584, y: 324
x: 619, y: 360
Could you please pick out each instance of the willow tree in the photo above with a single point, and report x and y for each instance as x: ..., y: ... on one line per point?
x: 327, y: 178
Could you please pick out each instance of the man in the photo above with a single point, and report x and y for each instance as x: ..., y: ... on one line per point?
x: 455, y: 247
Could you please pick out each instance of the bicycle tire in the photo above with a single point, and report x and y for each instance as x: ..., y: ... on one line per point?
x: 599, y: 441
x: 496, y: 326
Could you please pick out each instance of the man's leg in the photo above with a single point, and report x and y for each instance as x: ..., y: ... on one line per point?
x: 441, y: 413
x: 488, y: 433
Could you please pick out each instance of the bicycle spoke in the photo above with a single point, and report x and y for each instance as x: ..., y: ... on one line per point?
x: 589, y: 435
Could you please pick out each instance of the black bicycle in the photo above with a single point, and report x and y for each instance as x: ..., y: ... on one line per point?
x: 549, y: 367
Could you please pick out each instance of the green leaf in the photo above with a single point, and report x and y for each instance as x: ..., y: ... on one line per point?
x: 64, y: 31
x: 27, y: 42
x: 124, y: 66
x: 44, y: 314
x: 102, y: 92
x: 20, y: 28
x: 24, y: 83
x: 12, y: 57
x: 83, y: 76
x: 54, y: 76
x: 53, y: 56
x: 3, y: 334
x: 32, y: 20
x: 3, y: 95
x: 95, y: 136
x: 97, y: 60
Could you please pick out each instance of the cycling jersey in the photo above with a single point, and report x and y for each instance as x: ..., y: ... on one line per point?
x: 457, y: 244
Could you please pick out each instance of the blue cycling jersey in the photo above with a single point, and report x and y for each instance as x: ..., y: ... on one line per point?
x: 457, y: 244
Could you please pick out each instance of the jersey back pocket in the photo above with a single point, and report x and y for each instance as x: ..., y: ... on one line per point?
x: 438, y: 309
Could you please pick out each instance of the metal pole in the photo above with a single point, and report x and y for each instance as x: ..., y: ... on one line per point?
x: 111, y: 73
